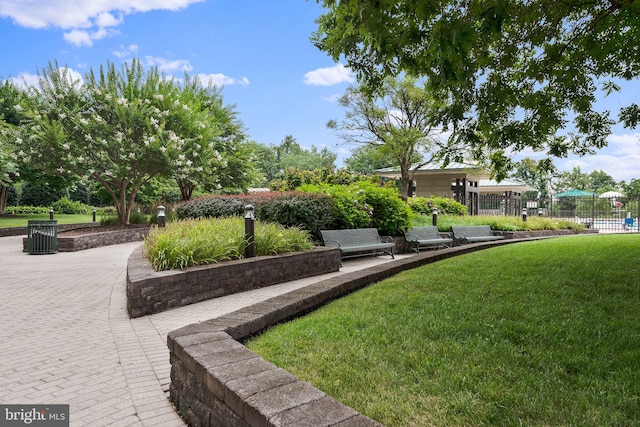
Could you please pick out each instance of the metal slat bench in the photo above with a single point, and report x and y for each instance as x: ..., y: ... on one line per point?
x: 358, y: 242
x: 427, y: 236
x: 474, y: 233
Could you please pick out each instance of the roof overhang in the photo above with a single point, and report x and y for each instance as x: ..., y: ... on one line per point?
x: 494, y: 187
x: 452, y: 169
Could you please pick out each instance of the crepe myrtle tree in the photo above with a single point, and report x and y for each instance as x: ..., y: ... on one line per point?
x: 11, y: 115
x: 120, y: 128
x: 213, y: 153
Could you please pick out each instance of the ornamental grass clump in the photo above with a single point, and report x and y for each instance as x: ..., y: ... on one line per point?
x: 193, y: 242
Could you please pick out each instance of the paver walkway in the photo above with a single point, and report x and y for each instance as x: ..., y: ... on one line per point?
x: 66, y: 337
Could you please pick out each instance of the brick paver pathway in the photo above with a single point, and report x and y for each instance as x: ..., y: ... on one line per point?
x: 66, y: 337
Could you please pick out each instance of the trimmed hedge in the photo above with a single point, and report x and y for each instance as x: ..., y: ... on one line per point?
x: 311, y: 212
x: 446, y: 206
x: 314, y: 207
x: 212, y: 207
x: 26, y: 210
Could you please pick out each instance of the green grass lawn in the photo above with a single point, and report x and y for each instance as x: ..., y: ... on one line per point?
x: 21, y: 220
x: 538, y: 333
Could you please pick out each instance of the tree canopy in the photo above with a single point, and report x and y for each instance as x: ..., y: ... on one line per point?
x: 11, y: 114
x: 272, y: 161
x: 515, y: 74
x: 398, y: 120
x: 122, y: 128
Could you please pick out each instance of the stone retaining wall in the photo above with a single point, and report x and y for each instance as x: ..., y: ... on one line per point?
x: 95, y: 239
x: 216, y: 381
x: 149, y: 291
x: 19, y: 231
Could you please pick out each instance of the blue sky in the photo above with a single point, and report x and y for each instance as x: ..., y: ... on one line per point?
x: 257, y: 50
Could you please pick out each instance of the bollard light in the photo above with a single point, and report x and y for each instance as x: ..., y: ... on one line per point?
x: 51, y: 214
x: 94, y: 214
x: 540, y: 212
x: 249, y: 231
x: 162, y: 221
x: 524, y: 214
x: 434, y: 217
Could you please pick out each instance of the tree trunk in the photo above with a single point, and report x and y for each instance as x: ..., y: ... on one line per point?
x: 4, y: 196
x: 186, y: 190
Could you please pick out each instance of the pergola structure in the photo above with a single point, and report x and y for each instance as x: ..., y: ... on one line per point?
x: 458, y: 181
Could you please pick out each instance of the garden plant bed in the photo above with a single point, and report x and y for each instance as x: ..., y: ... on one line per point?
x: 150, y: 291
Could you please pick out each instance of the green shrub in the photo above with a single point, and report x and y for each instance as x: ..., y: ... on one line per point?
x: 107, y: 210
x: 312, y: 212
x: 350, y: 206
x: 211, y: 207
x: 445, y: 206
x: 135, y: 217
x: 26, y: 210
x: 193, y: 242
x: 365, y: 204
x: 390, y: 214
x: 508, y: 223
x: 138, y: 218
x: 66, y: 206
x: 109, y: 219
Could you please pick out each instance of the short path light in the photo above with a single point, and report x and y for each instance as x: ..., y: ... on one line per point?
x: 94, y: 214
x: 249, y: 231
x: 540, y: 212
x: 51, y: 214
x: 162, y: 221
x: 524, y: 214
x: 434, y: 216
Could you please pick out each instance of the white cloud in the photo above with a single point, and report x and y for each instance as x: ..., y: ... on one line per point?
x: 86, y: 38
x: 24, y: 80
x: 78, y: 38
x: 86, y: 20
x: 108, y: 20
x: 124, y: 52
x: 222, y: 80
x: 620, y: 160
x: 329, y: 76
x: 167, y: 65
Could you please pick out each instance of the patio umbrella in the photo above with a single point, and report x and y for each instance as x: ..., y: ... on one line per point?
x: 610, y: 194
x: 575, y: 193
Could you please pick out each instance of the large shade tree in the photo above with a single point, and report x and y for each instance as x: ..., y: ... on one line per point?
x: 516, y: 74
x: 399, y: 119
x: 121, y: 128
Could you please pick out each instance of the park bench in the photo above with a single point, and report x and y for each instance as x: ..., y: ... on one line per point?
x: 428, y: 236
x: 358, y: 242
x: 474, y: 233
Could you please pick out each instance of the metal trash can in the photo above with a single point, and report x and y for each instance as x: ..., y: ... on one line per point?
x: 42, y: 237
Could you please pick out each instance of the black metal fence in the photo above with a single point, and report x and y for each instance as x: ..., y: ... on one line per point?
x: 608, y: 214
